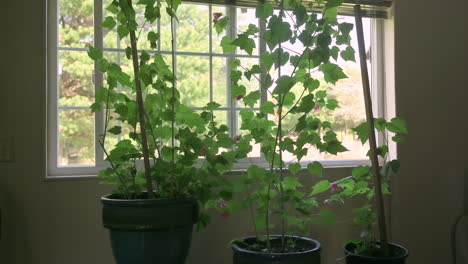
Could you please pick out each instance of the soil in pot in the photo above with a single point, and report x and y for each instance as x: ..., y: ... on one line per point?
x: 373, y: 255
x: 301, y: 250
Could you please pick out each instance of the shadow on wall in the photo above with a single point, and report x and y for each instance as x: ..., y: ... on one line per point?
x: 14, y: 231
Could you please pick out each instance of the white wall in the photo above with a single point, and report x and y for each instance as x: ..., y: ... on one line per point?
x: 46, y: 227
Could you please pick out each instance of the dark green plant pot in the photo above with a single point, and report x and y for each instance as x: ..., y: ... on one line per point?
x: 241, y: 255
x: 398, y: 255
x: 144, y: 231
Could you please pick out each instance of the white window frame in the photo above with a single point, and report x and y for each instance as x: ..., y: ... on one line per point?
x: 88, y: 171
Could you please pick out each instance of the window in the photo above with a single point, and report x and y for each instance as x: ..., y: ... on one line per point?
x: 203, y: 76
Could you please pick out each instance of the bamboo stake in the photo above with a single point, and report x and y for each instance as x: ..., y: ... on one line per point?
x: 372, y: 141
x: 141, y: 113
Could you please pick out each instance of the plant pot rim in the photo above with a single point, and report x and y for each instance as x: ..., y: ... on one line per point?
x: 404, y: 255
x: 246, y: 251
x: 106, y: 199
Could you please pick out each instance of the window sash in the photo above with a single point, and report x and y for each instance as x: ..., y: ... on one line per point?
x: 369, y: 8
x: 86, y: 171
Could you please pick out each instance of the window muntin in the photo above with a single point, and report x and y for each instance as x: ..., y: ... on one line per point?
x: 200, y: 63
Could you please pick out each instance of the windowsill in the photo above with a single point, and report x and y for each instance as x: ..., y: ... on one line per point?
x: 242, y: 167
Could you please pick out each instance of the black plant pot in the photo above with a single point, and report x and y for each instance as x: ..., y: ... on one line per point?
x: 144, y: 231
x: 241, y: 255
x: 398, y: 255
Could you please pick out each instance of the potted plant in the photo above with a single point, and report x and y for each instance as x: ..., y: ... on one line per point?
x: 372, y: 181
x: 155, y: 167
x: 286, y: 123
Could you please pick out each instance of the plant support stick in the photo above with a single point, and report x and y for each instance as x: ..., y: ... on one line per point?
x: 372, y: 141
x: 141, y: 113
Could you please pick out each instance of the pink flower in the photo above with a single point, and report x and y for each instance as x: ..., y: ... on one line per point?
x: 216, y: 16
x: 317, y: 108
x: 222, y: 204
x: 203, y: 151
x: 236, y: 138
x: 334, y: 186
x: 225, y: 214
x: 239, y: 96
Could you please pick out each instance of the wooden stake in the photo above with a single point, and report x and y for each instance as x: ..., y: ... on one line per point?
x: 141, y: 113
x: 372, y: 141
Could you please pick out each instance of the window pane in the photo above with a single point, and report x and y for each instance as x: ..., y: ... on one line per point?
x: 216, y: 38
x: 193, y: 75
x: 193, y: 28
x: 76, y: 137
x: 246, y: 16
x: 75, y: 78
x: 253, y: 84
x: 221, y: 117
x: 220, y: 80
x: 75, y: 23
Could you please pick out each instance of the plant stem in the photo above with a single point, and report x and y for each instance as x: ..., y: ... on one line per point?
x: 280, y: 131
x: 173, y: 104
x: 141, y: 112
x: 372, y: 140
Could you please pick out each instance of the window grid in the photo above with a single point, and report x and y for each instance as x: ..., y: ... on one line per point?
x: 231, y: 109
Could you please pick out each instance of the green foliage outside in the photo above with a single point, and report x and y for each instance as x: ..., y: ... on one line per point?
x: 76, y: 87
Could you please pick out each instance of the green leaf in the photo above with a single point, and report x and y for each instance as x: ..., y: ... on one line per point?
x: 315, y: 168
x: 171, y: 13
x: 211, y: 106
x: 263, y: 10
x: 226, y: 44
x: 348, y: 54
x: 360, y: 172
x: 307, y: 104
x: 123, y: 31
x: 291, y: 183
x: 380, y: 124
x: 267, y: 60
x: 252, y: 98
x: 332, y: 72
x: 294, y: 167
x: 94, y: 53
x: 313, y: 85
x: 153, y: 38
x: 397, y: 125
x: 112, y: 8
x: 320, y: 187
x: 174, y: 3
x: 244, y: 43
x: 330, y: 13
x: 332, y: 104
x: 128, y: 52
x: 268, y: 108
x: 109, y: 22
x: 252, y: 29
x: 326, y: 217
x: 345, y: 28
x: 289, y: 98
x: 284, y: 84
x: 117, y: 130
x: 225, y: 141
x: 238, y: 90
x: 362, y: 132
x: 279, y: 31
x: 334, y: 52
x: 221, y: 24
x: 246, y: 114
x: 102, y: 65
